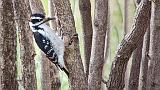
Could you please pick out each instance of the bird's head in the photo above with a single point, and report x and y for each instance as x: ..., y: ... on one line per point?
x: 38, y: 19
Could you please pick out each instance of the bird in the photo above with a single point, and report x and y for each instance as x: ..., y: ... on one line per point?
x: 47, y: 40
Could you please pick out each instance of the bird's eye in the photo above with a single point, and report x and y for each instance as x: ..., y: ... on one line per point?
x: 40, y: 19
x: 36, y: 20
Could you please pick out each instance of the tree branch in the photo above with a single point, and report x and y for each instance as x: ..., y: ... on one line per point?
x: 77, y: 78
x: 85, y: 10
x: 128, y: 45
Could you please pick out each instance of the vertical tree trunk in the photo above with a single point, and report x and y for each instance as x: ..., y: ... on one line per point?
x: 144, y: 61
x: 77, y: 79
x: 154, y: 64
x: 36, y: 6
x: 46, y: 80
x: 135, y: 68
x: 54, y: 73
x: 7, y: 47
x: 125, y: 25
x: 22, y: 10
x: 136, y: 62
x: 125, y: 17
x: 98, y: 44
x: 52, y: 12
x: 128, y: 45
x: 85, y: 10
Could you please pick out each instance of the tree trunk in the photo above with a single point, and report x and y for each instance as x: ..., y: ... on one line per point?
x: 52, y: 12
x: 125, y: 17
x: 36, y: 6
x: 154, y: 53
x: 135, y: 68
x: 144, y: 61
x: 54, y: 72
x: 77, y: 78
x: 125, y: 25
x: 22, y: 10
x: 8, y: 70
x: 128, y: 45
x: 98, y: 44
x: 85, y: 10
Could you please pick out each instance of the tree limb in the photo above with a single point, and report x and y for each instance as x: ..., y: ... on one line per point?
x: 128, y: 45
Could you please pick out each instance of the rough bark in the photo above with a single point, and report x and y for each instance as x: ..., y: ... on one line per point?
x: 125, y: 25
x: 128, y: 45
x: 77, y: 79
x: 54, y: 73
x: 52, y: 12
x: 153, y: 82
x: 22, y: 10
x: 98, y: 44
x: 125, y: 17
x: 8, y: 70
x: 46, y: 78
x: 144, y: 61
x: 36, y: 6
x: 135, y: 68
x: 85, y: 10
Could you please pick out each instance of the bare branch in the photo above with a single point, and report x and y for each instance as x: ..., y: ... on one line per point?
x: 85, y: 10
x: 128, y: 45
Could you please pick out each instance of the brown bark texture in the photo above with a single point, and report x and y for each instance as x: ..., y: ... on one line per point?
x: 144, y: 61
x: 36, y: 6
x: 52, y: 13
x: 98, y: 44
x: 77, y: 78
x: 128, y: 45
x: 154, y: 50
x: 8, y: 70
x: 85, y: 10
x: 46, y: 80
x: 125, y: 16
x: 135, y: 67
x: 27, y: 53
x: 54, y: 72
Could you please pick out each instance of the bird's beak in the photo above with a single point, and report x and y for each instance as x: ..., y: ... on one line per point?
x: 48, y: 19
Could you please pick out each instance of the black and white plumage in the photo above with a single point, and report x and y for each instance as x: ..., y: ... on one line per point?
x: 47, y: 40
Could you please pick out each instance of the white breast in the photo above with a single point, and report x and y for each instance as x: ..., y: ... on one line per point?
x: 56, y: 41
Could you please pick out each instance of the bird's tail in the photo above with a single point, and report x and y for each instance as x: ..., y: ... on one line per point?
x: 65, y: 70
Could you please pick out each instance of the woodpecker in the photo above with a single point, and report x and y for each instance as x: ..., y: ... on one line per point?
x: 47, y: 40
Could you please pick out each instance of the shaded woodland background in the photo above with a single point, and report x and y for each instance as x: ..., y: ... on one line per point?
x: 115, y: 45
